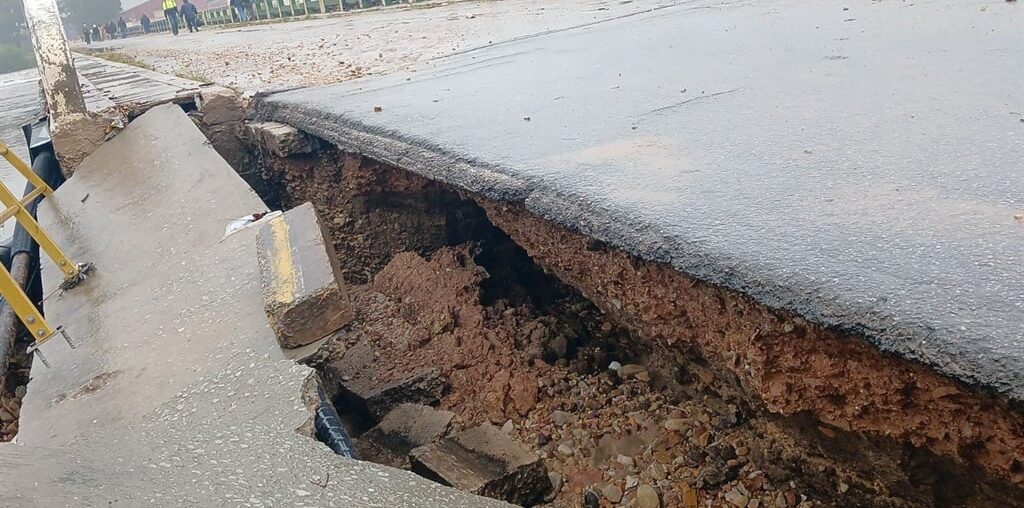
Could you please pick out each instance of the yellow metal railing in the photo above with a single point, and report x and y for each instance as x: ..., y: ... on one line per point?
x: 74, y: 273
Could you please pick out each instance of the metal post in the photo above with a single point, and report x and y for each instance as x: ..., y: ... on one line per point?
x: 291, y: 7
x: 323, y: 9
x: 64, y: 98
x: 76, y: 132
x: 305, y: 7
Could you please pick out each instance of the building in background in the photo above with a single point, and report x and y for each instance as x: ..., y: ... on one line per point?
x: 152, y: 8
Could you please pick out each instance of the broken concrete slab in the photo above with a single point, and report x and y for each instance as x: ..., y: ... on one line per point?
x: 423, y: 387
x: 406, y: 427
x: 302, y: 290
x: 483, y: 460
x: 187, y: 385
x: 281, y: 139
x: 220, y: 105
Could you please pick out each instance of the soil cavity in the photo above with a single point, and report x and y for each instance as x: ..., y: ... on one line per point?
x: 456, y: 318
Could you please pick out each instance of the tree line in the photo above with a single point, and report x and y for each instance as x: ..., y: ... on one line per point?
x: 15, y: 47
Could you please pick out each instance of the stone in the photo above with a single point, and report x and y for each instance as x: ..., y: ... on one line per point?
x: 591, y: 499
x: 484, y: 461
x: 280, y: 139
x: 630, y: 370
x: 303, y: 293
x: 20, y: 391
x: 220, y: 105
x: 689, y: 496
x: 523, y: 392
x: 657, y: 471
x: 556, y: 485
x: 508, y: 427
x: 624, y: 460
x: 735, y: 498
x: 560, y: 418
x: 405, y: 427
x: 424, y: 387
x: 612, y: 493
x: 780, y: 500
x: 675, y: 424
x: 647, y: 497
x: 565, y: 449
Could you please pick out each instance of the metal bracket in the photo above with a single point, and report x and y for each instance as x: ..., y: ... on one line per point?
x: 36, y: 351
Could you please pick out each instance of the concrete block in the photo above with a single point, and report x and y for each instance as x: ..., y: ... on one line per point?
x: 303, y: 295
x: 485, y: 461
x: 220, y: 105
x: 424, y: 387
x: 407, y: 426
x: 281, y: 139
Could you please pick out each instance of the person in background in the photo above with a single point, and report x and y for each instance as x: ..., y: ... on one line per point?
x: 86, y: 34
x: 144, y: 21
x: 112, y: 29
x: 240, y: 10
x: 96, y: 36
x: 122, y: 27
x: 170, y: 8
x: 191, y: 15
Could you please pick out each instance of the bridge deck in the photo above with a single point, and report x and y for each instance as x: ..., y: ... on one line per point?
x: 177, y: 393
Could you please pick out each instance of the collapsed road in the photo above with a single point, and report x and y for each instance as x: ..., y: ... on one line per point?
x: 771, y: 206
x: 573, y: 275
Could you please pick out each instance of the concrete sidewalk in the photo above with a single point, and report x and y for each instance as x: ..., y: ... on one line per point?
x: 852, y: 162
x: 177, y: 394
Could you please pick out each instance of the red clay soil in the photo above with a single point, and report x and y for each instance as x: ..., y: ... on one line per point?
x: 764, y: 405
x: 791, y: 364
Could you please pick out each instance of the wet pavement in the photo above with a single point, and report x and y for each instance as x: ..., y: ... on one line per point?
x: 847, y: 161
x: 20, y: 103
x: 177, y: 393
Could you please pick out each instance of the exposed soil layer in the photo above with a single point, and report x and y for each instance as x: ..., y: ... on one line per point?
x: 719, y: 399
x: 14, y: 387
x: 792, y: 365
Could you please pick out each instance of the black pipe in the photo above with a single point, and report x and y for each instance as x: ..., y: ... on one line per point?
x: 329, y: 428
x: 23, y: 250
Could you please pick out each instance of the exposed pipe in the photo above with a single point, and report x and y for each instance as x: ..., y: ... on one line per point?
x: 24, y: 251
x: 329, y: 428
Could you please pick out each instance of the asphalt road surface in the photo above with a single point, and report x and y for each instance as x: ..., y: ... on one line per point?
x: 857, y: 162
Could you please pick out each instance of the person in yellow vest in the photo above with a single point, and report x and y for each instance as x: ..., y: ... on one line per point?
x: 170, y: 8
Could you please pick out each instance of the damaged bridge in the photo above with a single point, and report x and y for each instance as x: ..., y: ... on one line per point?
x: 735, y: 254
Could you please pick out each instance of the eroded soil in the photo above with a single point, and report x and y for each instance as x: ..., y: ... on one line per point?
x: 710, y: 399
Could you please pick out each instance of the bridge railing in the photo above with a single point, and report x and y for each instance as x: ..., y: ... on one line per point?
x: 283, y: 9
